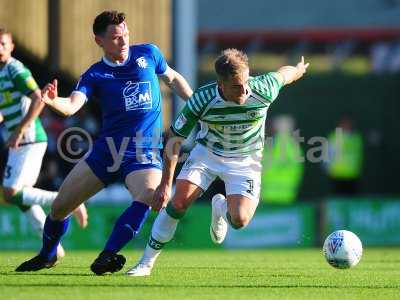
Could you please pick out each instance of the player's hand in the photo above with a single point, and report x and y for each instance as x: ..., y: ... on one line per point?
x: 302, y: 67
x: 81, y: 215
x: 161, y: 196
x: 15, y: 138
x: 50, y: 92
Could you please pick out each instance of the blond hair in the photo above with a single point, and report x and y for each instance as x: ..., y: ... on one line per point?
x: 231, y: 62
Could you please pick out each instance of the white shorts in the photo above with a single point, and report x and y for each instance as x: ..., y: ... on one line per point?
x: 23, y: 165
x: 242, y: 176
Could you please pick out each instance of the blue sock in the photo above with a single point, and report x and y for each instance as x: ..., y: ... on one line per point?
x: 52, y: 233
x: 127, y: 226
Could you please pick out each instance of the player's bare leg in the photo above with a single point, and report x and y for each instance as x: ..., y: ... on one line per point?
x: 141, y: 185
x: 236, y: 210
x: 164, y: 226
x: 241, y: 210
x: 78, y: 186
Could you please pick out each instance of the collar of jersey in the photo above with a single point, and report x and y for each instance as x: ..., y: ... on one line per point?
x: 111, y: 64
x: 7, y: 62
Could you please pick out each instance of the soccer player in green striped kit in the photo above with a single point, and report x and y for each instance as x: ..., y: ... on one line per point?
x: 232, y: 113
x: 20, y: 106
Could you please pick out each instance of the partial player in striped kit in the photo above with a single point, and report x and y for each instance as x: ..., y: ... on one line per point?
x: 20, y: 107
x: 232, y: 113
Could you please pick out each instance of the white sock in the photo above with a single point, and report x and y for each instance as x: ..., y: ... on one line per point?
x: 163, y: 231
x: 31, y: 196
x: 36, y: 218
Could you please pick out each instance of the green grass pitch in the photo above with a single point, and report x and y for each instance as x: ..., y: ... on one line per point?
x: 200, y: 274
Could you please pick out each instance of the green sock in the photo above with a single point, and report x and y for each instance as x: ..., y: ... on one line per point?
x: 17, y: 200
x: 173, y: 213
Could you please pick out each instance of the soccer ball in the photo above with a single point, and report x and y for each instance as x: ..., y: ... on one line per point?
x: 342, y: 249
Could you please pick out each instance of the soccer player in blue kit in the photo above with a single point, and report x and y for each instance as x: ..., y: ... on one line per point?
x: 125, y: 83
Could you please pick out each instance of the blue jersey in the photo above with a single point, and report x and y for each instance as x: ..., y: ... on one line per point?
x: 130, y: 100
x: 129, y: 96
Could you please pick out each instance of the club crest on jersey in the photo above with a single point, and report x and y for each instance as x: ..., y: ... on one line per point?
x: 137, y: 95
x: 180, y: 122
x: 141, y: 61
x: 253, y: 114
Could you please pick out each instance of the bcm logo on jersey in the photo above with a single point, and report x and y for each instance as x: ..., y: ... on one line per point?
x: 137, y: 95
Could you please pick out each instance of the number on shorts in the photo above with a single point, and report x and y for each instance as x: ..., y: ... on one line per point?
x: 7, y: 172
x: 251, y: 186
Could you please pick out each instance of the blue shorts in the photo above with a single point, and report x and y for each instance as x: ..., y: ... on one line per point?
x: 108, y: 170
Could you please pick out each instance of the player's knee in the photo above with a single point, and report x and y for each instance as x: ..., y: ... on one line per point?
x: 59, y: 211
x: 9, y: 193
x: 240, y: 221
x: 179, y: 205
x: 146, y: 196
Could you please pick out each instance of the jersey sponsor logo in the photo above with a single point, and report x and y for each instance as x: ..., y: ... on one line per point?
x: 180, y: 122
x: 233, y: 128
x: 137, y: 95
x: 142, y: 62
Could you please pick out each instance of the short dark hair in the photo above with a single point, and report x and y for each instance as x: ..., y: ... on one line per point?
x: 108, y: 17
x: 230, y: 63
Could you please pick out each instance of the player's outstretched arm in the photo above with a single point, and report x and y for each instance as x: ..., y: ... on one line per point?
x: 290, y: 73
x: 177, y: 83
x: 64, y: 106
x: 171, y: 156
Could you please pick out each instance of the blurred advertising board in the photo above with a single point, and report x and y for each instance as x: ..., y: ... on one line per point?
x: 16, y: 232
x: 376, y: 221
x: 277, y: 226
x: 292, y: 226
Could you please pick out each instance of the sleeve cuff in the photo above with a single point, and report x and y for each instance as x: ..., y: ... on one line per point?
x: 83, y: 95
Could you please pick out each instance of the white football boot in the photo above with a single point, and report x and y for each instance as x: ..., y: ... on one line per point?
x: 218, y: 227
x: 140, y: 270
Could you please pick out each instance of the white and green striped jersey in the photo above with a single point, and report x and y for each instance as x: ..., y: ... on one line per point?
x: 229, y: 129
x: 16, y: 83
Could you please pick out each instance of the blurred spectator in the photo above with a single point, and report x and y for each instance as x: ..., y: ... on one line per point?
x: 84, y: 120
x: 385, y: 57
x: 282, y: 164
x: 54, y: 126
x: 52, y: 176
x: 345, y: 157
